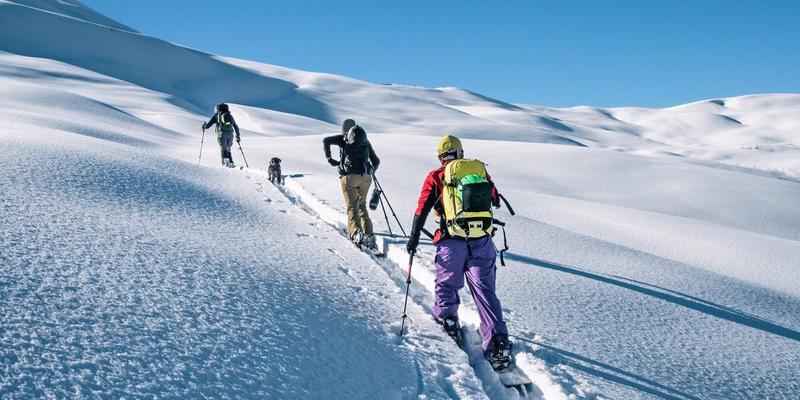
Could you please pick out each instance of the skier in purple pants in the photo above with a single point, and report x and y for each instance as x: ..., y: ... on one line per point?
x: 457, y: 259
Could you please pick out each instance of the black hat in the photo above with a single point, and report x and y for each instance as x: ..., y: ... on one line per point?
x: 347, y: 124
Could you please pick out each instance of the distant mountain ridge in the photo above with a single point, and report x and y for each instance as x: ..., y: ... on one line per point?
x: 755, y: 131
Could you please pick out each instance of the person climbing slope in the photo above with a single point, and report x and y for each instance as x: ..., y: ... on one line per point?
x: 462, y: 194
x: 357, y: 162
x: 225, y: 127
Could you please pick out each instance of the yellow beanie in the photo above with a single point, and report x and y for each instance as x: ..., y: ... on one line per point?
x: 448, y: 143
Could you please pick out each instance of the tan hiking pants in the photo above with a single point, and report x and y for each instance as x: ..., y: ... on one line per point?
x: 356, y: 190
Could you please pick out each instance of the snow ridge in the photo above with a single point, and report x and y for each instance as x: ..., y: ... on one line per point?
x: 654, y: 252
x: 755, y: 131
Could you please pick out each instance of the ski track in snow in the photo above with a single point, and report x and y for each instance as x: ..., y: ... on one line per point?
x: 395, y: 264
x: 91, y: 309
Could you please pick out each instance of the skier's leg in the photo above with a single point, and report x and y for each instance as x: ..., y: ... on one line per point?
x: 451, y: 256
x: 364, y: 182
x: 350, y: 193
x: 223, y: 152
x: 481, y: 276
x: 229, y: 144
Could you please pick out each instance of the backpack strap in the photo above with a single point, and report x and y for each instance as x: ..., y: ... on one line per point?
x: 508, y: 206
x: 505, y: 241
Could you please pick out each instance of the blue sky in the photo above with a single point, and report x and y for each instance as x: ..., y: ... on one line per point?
x: 556, y: 53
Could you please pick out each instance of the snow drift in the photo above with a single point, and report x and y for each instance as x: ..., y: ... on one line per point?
x: 653, y: 256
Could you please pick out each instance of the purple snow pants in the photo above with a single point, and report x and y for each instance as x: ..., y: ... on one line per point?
x: 453, y: 262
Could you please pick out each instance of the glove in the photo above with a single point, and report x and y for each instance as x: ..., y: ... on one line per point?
x: 204, y: 126
x: 411, y: 245
x: 238, y: 140
x: 413, y: 235
x: 333, y: 162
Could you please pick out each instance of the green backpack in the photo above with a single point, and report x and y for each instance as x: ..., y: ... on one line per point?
x: 467, y: 199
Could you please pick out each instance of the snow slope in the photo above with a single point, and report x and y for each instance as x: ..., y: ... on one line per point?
x: 129, y: 274
x: 653, y: 255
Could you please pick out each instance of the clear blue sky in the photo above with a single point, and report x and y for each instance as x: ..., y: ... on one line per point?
x: 556, y: 53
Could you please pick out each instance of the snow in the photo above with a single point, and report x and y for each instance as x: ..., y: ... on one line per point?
x: 653, y: 254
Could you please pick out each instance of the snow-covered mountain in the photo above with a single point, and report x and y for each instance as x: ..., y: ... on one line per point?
x: 654, y: 254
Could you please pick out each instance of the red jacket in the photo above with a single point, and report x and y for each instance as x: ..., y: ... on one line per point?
x: 431, y: 198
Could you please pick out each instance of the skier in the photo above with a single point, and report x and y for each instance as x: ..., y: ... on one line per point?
x: 462, y: 194
x: 226, y: 126
x: 357, y: 162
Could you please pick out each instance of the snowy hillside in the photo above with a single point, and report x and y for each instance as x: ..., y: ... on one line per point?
x: 654, y: 254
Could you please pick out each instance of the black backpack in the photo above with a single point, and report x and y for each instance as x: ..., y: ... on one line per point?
x: 224, y: 121
x: 355, y: 152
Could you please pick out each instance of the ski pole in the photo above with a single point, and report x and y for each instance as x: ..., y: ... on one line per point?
x: 242, y: 151
x: 386, y: 217
x: 408, y: 285
x: 202, y: 139
x: 390, y: 205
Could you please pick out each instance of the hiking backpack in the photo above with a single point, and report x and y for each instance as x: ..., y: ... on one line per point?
x: 224, y: 121
x: 467, y: 199
x: 354, y: 155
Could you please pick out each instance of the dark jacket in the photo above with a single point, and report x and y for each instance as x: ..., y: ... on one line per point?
x: 356, y: 155
x: 224, y: 122
x: 430, y: 198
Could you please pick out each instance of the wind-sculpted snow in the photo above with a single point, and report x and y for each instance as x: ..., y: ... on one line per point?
x: 127, y: 276
x: 637, y: 305
x: 195, y: 80
x: 73, y: 9
x: 757, y: 131
x: 653, y: 255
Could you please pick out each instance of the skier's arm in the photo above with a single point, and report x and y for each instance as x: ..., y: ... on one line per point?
x: 235, y: 128
x: 210, y: 122
x: 427, y: 199
x: 373, y: 158
x: 331, y: 140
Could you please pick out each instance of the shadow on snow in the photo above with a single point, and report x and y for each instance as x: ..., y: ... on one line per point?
x: 680, y: 299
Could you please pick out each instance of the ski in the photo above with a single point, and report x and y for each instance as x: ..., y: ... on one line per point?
x: 375, y: 252
x: 371, y: 251
x: 511, y: 376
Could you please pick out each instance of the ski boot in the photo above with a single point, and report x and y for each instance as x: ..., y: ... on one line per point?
x: 499, y: 354
x: 453, y: 329
x: 368, y: 241
x: 357, y: 238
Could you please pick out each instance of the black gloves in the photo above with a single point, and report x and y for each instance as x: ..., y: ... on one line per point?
x: 413, y: 236
x: 238, y: 139
x: 204, y: 126
x: 411, y: 245
x: 333, y: 162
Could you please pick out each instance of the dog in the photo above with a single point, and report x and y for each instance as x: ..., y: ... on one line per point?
x: 275, y: 170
